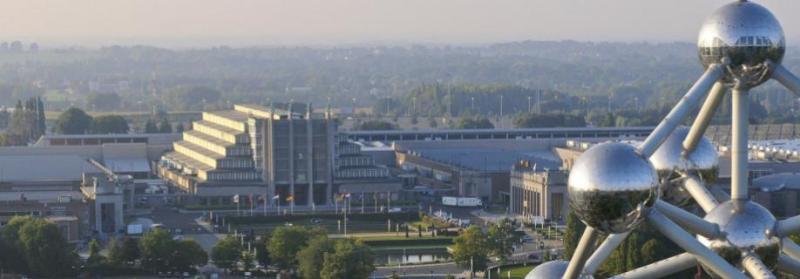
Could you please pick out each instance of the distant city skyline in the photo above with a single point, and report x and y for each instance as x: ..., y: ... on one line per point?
x: 188, y: 23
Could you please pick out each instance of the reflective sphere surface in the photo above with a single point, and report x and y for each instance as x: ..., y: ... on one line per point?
x: 703, y: 162
x: 548, y: 270
x: 748, y: 34
x: 610, y: 185
x: 745, y: 225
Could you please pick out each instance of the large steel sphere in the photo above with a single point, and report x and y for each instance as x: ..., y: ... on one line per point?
x: 549, y: 270
x: 746, y: 227
x: 669, y: 158
x: 746, y: 33
x: 610, y: 185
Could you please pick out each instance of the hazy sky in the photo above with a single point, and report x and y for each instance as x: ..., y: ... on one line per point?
x: 329, y: 22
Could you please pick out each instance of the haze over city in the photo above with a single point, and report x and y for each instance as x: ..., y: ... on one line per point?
x: 366, y: 139
x: 197, y: 23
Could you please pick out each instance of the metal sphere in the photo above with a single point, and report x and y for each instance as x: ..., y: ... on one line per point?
x: 745, y: 225
x: 610, y: 185
x: 703, y: 162
x: 552, y: 270
x: 747, y: 34
x: 549, y: 270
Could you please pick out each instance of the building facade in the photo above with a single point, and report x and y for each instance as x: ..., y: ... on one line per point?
x: 538, y: 193
x: 254, y: 150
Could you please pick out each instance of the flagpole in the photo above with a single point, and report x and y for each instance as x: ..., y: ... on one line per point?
x: 279, y: 204
x: 362, y: 202
x: 266, y: 197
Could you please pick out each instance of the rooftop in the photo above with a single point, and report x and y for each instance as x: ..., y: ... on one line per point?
x: 44, y: 168
x: 488, y: 155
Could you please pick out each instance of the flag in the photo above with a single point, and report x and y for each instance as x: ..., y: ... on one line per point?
x: 250, y: 198
x: 236, y: 199
x: 340, y: 196
x: 278, y: 196
x: 289, y: 198
x: 347, y: 195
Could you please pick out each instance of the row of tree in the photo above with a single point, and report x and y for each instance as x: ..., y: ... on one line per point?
x: 36, y: 247
x: 157, y: 251
x: 25, y: 124
x: 304, y: 252
x: 77, y: 121
x: 473, y: 247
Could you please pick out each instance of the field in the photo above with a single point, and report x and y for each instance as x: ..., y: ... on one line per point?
x: 517, y: 272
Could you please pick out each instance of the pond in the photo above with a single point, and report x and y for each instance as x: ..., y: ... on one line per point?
x: 411, y: 256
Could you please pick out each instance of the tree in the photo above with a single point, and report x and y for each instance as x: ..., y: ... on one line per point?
x: 262, y: 254
x: 123, y: 251
x: 44, y: 249
x: 470, y: 249
x: 156, y: 247
x: 652, y: 251
x: 73, y: 121
x: 502, y: 239
x: 150, y: 127
x: 247, y: 261
x: 373, y: 125
x: 549, y: 120
x: 95, y: 262
x: 311, y: 258
x: 164, y: 126
x: 350, y: 259
x: 110, y: 124
x: 161, y: 253
x: 473, y: 123
x: 226, y: 253
x: 179, y: 128
x: 285, y: 242
x: 572, y: 234
x: 187, y: 255
x: 432, y: 122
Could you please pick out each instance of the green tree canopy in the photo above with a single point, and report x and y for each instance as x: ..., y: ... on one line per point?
x: 285, y: 242
x: 73, y: 121
x: 373, y: 125
x: 311, y: 258
x: 226, y: 253
x: 43, y: 250
x: 473, y: 123
x: 164, y: 126
x: 110, y: 124
x: 471, y: 248
x: 187, y: 255
x: 123, y: 251
x: 150, y: 127
x: 530, y: 120
x: 350, y: 259
x: 502, y: 239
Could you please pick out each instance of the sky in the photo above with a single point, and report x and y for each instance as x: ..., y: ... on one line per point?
x: 189, y: 23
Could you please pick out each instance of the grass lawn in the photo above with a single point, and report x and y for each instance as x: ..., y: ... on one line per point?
x: 517, y: 272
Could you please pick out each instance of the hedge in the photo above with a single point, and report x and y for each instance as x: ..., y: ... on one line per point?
x: 411, y: 241
x: 395, y: 217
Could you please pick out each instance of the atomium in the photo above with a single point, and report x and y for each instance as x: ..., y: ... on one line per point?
x: 610, y: 186
x: 747, y: 227
x: 613, y: 186
x: 748, y: 35
x: 669, y: 161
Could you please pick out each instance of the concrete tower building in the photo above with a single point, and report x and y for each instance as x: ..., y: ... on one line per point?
x: 255, y: 151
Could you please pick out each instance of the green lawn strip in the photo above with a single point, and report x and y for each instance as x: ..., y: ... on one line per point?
x: 517, y: 272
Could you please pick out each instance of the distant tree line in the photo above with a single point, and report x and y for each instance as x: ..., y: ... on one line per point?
x: 25, y: 124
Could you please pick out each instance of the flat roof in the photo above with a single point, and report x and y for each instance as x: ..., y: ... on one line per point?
x: 488, y: 155
x: 44, y: 168
x: 479, y: 131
